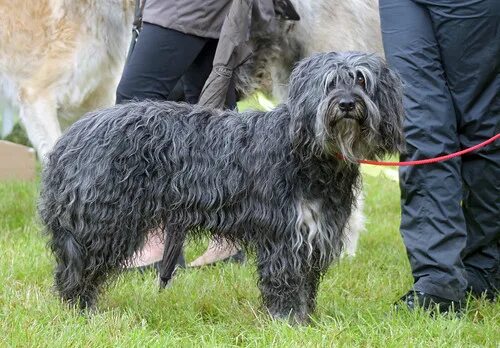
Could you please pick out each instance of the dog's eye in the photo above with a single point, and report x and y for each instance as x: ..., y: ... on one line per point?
x: 331, y: 86
x: 360, y: 80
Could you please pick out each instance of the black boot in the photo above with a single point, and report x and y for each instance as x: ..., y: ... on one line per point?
x: 435, y: 304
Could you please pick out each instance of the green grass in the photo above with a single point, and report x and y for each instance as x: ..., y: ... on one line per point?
x: 219, y: 306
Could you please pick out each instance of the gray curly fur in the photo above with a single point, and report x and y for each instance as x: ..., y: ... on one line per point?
x: 271, y: 181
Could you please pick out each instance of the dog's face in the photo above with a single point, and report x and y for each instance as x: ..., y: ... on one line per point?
x: 351, y: 103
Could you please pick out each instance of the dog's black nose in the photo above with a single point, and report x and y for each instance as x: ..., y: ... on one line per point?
x: 346, y: 104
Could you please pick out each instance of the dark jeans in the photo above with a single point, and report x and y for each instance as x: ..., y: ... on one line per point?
x: 448, y: 54
x: 160, y: 58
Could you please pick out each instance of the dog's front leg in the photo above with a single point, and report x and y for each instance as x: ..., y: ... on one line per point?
x: 283, y: 282
x: 39, y: 116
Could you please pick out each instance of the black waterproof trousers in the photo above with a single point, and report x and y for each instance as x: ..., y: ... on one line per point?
x: 161, y: 57
x: 448, y: 54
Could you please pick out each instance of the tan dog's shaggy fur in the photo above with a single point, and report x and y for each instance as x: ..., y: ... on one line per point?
x: 60, y: 59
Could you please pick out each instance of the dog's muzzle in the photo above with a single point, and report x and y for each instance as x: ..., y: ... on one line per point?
x: 347, y: 107
x: 347, y: 104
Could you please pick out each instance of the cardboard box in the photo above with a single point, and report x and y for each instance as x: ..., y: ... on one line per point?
x: 17, y: 162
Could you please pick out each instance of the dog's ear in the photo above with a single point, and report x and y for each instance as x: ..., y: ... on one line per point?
x: 389, y: 97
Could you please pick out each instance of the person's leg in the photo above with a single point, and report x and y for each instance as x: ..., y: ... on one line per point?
x: 151, y: 252
x: 481, y: 208
x: 197, y: 74
x: 160, y: 58
x: 177, y: 93
x: 467, y: 33
x: 432, y: 222
x: 231, y: 98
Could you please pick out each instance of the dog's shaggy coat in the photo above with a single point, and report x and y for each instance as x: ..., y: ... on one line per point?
x: 272, y: 181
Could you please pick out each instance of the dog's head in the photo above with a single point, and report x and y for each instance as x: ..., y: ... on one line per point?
x: 349, y: 103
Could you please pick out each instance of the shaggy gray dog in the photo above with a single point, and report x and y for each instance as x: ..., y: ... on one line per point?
x: 281, y: 182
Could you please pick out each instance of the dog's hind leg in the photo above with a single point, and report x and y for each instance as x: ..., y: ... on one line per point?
x: 71, y: 275
x: 86, y: 258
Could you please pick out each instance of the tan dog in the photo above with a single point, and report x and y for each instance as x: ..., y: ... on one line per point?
x: 60, y: 59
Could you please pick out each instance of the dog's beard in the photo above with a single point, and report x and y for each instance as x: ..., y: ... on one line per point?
x: 341, y: 133
x: 350, y: 134
x: 347, y: 138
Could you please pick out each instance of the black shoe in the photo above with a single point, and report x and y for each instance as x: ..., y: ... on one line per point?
x: 418, y: 299
x: 483, y: 283
x: 479, y: 293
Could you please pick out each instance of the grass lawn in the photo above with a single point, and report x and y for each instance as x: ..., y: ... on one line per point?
x: 219, y: 306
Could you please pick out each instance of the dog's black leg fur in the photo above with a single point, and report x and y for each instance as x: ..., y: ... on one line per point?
x: 282, y: 285
x: 84, y: 265
x: 312, y: 283
x: 73, y: 280
x: 69, y: 270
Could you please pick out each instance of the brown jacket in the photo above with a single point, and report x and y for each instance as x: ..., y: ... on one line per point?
x: 246, y: 19
x: 196, y: 17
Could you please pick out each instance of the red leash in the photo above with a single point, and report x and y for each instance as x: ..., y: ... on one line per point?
x: 435, y: 159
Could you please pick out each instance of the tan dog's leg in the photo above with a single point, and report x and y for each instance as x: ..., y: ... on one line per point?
x: 7, y: 119
x: 39, y: 117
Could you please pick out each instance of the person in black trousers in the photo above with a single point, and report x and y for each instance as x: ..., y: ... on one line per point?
x: 448, y: 54
x: 160, y: 58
